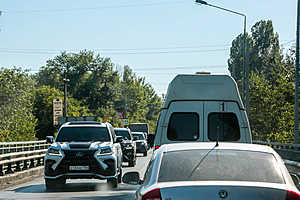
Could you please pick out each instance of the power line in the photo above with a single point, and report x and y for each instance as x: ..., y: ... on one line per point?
x: 117, y: 53
x: 92, y: 8
x: 176, y: 67
x: 288, y: 42
x: 118, y: 49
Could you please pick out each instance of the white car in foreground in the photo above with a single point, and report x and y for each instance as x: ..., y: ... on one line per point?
x: 229, y: 171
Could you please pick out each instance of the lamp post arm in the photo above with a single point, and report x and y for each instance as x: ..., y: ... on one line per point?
x: 238, y: 13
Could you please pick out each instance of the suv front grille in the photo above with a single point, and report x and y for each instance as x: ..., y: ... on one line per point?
x: 82, y: 158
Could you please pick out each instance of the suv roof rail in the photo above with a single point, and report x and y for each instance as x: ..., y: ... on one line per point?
x: 83, y: 122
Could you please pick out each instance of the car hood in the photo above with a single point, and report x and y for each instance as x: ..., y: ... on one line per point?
x: 80, y: 145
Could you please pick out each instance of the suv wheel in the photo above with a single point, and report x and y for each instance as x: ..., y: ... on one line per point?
x: 54, y: 183
x: 112, y: 182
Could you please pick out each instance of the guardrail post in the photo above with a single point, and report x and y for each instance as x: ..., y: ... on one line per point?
x: 25, y: 165
x: 38, y: 162
x: 9, y: 169
x: 31, y: 163
x: 1, y: 170
x: 18, y: 168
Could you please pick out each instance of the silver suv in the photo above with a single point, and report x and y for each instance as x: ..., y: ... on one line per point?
x: 83, y: 149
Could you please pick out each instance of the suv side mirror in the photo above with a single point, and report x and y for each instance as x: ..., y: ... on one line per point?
x: 49, y: 139
x: 132, y: 178
x: 119, y: 139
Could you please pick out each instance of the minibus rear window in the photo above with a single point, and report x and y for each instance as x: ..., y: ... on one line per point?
x: 223, y: 127
x: 183, y: 126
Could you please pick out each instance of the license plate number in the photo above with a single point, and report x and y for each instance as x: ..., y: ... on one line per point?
x: 79, y: 168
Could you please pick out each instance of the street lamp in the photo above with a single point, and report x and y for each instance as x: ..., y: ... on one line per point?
x: 245, y: 68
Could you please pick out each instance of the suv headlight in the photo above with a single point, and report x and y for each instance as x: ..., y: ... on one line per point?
x: 54, y: 152
x: 104, y: 151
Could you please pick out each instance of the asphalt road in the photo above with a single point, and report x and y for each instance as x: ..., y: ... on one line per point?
x: 78, y: 189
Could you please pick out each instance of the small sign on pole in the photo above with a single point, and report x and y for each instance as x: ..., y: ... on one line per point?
x: 126, y: 121
x: 57, y: 110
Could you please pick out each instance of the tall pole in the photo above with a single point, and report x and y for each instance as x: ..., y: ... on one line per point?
x: 65, y: 97
x: 297, y: 77
x: 245, y: 86
x: 246, y: 69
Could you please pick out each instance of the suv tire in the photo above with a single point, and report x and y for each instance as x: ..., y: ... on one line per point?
x: 131, y: 163
x: 120, y: 176
x: 112, y: 182
x: 54, y: 183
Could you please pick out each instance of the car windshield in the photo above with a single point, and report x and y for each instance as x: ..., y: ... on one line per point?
x: 83, y: 134
x: 219, y: 165
x: 140, y: 136
x: 125, y: 134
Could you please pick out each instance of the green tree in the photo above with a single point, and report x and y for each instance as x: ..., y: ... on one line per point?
x: 43, y: 109
x: 17, y: 122
x: 92, y: 79
x: 270, y: 84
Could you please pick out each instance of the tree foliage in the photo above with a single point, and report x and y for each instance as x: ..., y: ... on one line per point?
x: 271, y: 83
x: 17, y: 122
x: 43, y: 110
x: 95, y: 83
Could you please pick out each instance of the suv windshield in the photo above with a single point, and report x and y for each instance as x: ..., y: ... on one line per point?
x: 219, y: 165
x: 83, y: 134
x: 140, y: 136
x: 124, y: 133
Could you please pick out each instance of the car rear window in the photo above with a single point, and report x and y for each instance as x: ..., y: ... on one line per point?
x: 123, y: 133
x: 223, y: 127
x: 139, y: 136
x: 183, y: 126
x: 219, y: 165
x: 83, y: 134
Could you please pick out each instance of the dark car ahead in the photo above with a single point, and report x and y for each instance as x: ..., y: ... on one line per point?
x: 128, y: 146
x: 141, y: 142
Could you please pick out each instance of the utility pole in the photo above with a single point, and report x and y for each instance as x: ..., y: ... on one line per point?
x: 297, y: 77
x: 65, y: 94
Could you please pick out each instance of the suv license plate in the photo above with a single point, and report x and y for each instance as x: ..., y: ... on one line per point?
x: 79, y: 168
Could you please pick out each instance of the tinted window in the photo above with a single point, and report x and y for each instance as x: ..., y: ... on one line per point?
x: 139, y: 136
x: 219, y: 165
x: 84, y: 134
x: 224, y: 126
x: 123, y: 133
x: 183, y: 126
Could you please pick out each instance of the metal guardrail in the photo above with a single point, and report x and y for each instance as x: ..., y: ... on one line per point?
x: 13, y: 147
x: 20, y: 156
x: 286, y: 151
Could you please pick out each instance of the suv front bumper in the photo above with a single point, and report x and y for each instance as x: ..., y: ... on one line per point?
x: 99, y: 167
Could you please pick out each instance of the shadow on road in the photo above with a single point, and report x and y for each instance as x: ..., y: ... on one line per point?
x: 75, y: 187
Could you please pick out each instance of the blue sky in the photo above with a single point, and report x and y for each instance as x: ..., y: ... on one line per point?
x: 156, y: 38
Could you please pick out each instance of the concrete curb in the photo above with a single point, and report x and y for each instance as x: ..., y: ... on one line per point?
x: 20, y: 177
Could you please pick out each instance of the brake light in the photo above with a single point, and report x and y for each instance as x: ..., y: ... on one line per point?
x: 156, y: 147
x: 291, y: 195
x: 152, y: 195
